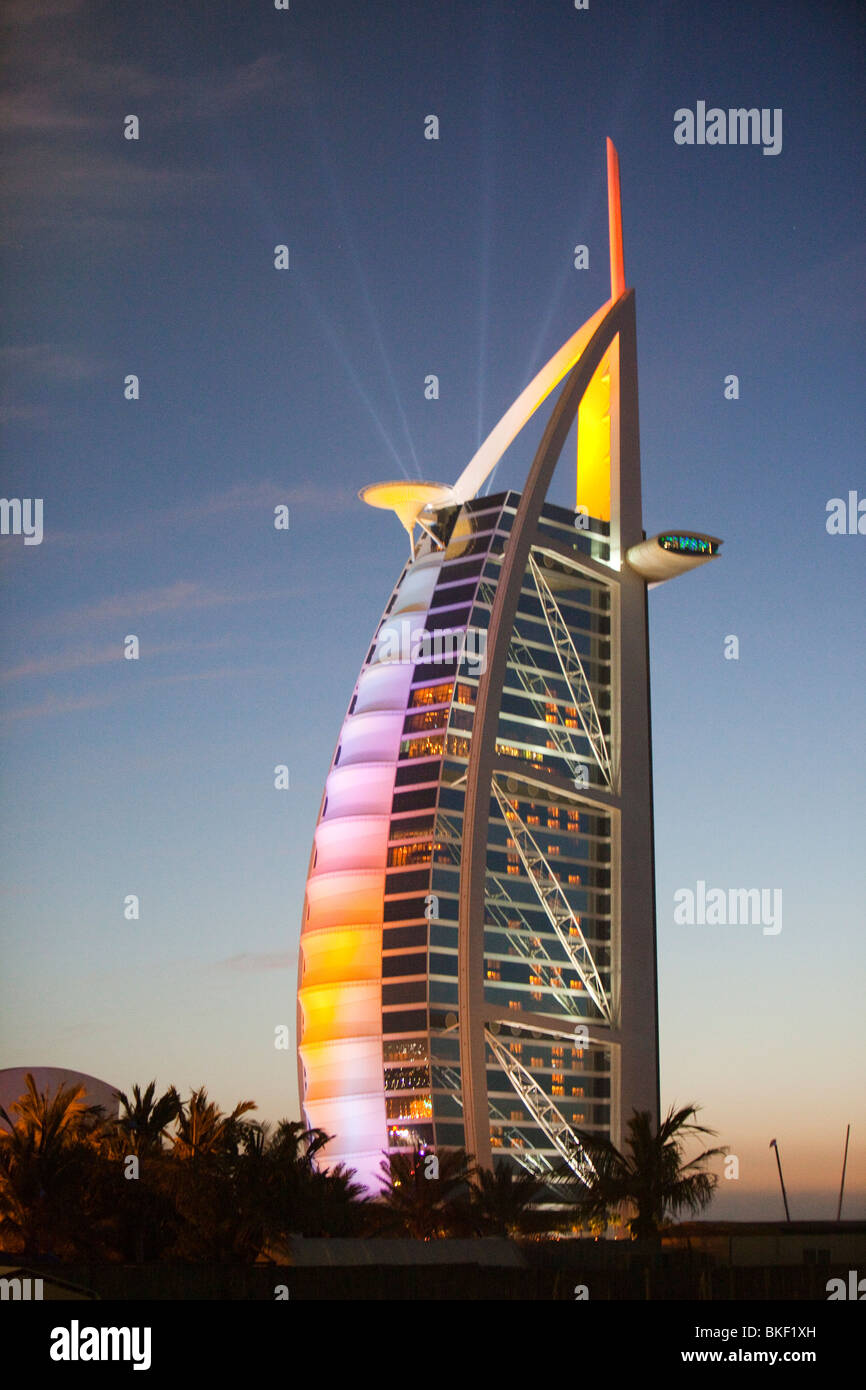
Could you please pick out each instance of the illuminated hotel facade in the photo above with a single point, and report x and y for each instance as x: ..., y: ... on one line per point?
x: 478, y: 961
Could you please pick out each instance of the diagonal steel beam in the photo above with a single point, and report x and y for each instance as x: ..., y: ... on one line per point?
x: 554, y: 902
x: 573, y: 672
x: 533, y: 1163
x: 543, y: 1110
x: 547, y: 965
x: 536, y: 687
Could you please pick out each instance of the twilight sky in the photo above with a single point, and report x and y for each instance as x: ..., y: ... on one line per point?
x: 258, y: 387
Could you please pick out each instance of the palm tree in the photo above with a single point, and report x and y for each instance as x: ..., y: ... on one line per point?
x: 278, y: 1183
x: 48, y: 1157
x: 145, y: 1214
x: 651, y: 1178
x: 200, y: 1174
x: 203, y: 1131
x: 331, y: 1203
x: 293, y: 1143
x: 500, y: 1199
x: 45, y: 1118
x: 144, y: 1119
x: 417, y: 1203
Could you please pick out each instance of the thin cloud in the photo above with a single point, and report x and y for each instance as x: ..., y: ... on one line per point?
x: 94, y: 185
x: 252, y: 496
x: 75, y: 96
x: 48, y: 360
x: 62, y: 113
x: 42, y: 415
x: 81, y: 658
x: 240, y: 498
x: 18, y: 13
x: 59, y: 704
x: 183, y: 596
x: 76, y: 704
x: 252, y: 961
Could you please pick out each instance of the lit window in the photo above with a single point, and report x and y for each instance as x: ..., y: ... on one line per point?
x: 406, y: 1050
x: 420, y: 853
x: 427, y: 719
x: 414, y: 828
x: 577, y: 1090
x: 426, y: 747
x: 407, y: 1078
x: 432, y: 694
x: 408, y: 1107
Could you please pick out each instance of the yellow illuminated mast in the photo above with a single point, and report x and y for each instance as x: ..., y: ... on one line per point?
x: 593, y: 416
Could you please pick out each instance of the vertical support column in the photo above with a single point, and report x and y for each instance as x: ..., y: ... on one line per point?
x: 479, y: 773
x: 638, y: 980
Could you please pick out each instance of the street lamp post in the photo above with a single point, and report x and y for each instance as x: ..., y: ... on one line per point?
x: 774, y: 1145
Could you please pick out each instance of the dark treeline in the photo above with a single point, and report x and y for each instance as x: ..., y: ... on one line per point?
x: 181, y: 1181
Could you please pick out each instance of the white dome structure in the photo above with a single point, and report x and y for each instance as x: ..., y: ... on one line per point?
x: 48, y: 1079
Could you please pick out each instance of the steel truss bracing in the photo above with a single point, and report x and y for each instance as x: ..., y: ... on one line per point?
x: 543, y: 1110
x: 486, y: 592
x: 533, y: 1163
x: 536, y: 687
x: 449, y: 836
x: 573, y: 672
x: 554, y: 902
x: 531, y: 949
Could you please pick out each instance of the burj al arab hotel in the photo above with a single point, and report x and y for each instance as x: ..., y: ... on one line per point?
x: 478, y: 957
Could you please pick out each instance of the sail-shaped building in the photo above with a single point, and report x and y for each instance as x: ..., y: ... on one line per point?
x: 478, y: 960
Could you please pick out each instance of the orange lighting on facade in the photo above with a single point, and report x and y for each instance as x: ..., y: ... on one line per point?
x: 614, y: 218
